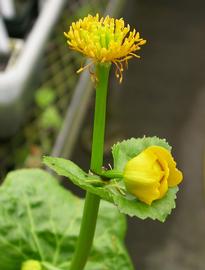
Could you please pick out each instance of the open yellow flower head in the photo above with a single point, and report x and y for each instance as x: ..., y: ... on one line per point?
x: 31, y: 265
x: 104, y: 40
x: 149, y: 175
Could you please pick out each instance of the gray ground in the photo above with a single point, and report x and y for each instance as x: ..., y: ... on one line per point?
x: 164, y: 94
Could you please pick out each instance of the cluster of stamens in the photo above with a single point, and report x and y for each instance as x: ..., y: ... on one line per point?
x: 104, y: 40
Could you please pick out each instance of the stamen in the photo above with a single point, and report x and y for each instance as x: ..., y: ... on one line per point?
x: 118, y: 71
x: 104, y: 40
x: 85, y: 67
x: 135, y: 55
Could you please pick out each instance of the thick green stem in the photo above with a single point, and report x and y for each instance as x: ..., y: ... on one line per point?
x: 92, y: 201
x: 102, y: 72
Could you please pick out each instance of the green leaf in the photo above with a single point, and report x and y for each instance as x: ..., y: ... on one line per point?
x: 45, y: 97
x: 159, y: 209
x: 114, y: 190
x: 80, y: 178
x: 40, y: 221
x: 50, y: 118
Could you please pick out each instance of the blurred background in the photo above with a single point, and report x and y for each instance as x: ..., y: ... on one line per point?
x: 45, y: 108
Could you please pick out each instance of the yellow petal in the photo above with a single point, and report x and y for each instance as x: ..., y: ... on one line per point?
x: 164, y: 181
x: 31, y: 264
x: 142, y: 176
x: 163, y: 188
x: 175, y: 175
x: 147, y: 195
x: 143, y: 169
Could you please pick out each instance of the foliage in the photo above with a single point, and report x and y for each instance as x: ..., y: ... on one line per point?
x: 44, y: 97
x: 40, y: 221
x: 51, y: 118
x: 114, y: 190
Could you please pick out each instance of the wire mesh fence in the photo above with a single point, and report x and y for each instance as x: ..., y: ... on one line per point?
x: 56, y: 84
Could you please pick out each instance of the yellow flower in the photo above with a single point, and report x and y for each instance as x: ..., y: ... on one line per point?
x: 31, y: 265
x: 149, y: 174
x: 104, y: 40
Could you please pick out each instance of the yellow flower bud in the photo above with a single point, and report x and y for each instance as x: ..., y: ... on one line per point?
x: 148, y: 175
x: 31, y: 265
